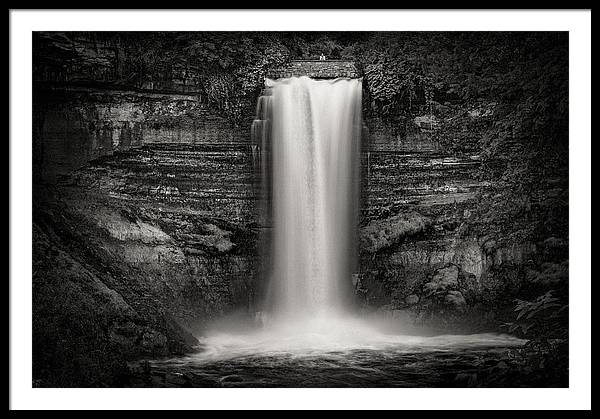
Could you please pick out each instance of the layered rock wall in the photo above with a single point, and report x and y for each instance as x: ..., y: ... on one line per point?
x: 316, y: 69
x: 76, y: 125
x: 170, y: 182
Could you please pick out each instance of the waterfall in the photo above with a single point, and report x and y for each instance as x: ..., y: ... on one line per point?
x: 311, y: 184
x: 305, y: 152
x: 306, y: 156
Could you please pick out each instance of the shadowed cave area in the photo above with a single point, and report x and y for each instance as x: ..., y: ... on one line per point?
x: 149, y: 210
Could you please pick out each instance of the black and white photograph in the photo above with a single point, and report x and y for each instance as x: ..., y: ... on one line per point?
x: 329, y: 209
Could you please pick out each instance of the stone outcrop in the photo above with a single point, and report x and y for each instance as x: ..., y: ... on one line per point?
x: 91, y: 313
x: 105, y: 59
x: 174, y: 212
x: 443, y: 279
x: 383, y: 234
x: 327, y: 69
x: 170, y: 234
x: 76, y: 125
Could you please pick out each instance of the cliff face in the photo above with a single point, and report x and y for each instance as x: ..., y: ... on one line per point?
x: 145, y: 223
x: 76, y: 125
x: 91, y: 312
x: 143, y: 215
x: 166, y: 231
x: 425, y: 255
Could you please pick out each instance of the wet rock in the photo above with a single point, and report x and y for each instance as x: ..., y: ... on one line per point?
x: 80, y: 308
x: 555, y: 242
x: 216, y: 238
x: 469, y: 285
x: 456, y: 299
x: 482, y: 111
x: 489, y: 245
x: 124, y: 226
x: 154, y: 342
x: 356, y: 280
x: 316, y: 69
x: 177, y: 379
x: 443, y: 279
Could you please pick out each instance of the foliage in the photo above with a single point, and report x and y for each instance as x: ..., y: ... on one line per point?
x: 532, y: 365
x: 543, y: 317
x: 309, y: 45
x: 235, y: 67
x: 393, y: 85
x: 503, y: 96
x: 231, y: 66
x: 395, y: 76
x: 544, y: 358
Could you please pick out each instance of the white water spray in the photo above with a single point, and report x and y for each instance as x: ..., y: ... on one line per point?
x: 315, y: 147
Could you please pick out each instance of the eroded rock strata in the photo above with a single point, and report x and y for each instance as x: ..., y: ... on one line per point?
x: 146, y: 228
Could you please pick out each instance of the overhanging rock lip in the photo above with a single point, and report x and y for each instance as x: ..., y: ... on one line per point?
x: 314, y: 60
x: 317, y: 69
x: 336, y: 78
x: 269, y: 82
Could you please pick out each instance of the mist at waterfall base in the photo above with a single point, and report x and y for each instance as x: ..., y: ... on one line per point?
x: 307, y: 331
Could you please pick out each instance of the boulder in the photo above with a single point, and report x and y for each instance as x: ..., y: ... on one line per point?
x: 154, y: 342
x: 443, y: 279
x: 381, y: 234
x: 469, y: 285
x: 211, y: 238
x: 456, y: 299
x: 489, y: 245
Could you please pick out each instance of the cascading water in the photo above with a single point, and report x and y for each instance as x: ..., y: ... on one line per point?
x: 315, y: 137
x: 306, y: 148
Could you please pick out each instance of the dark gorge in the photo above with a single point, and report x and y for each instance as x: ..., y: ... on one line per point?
x: 148, y: 225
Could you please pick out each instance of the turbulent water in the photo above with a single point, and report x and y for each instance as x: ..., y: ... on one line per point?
x: 307, y: 145
x: 347, y: 353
